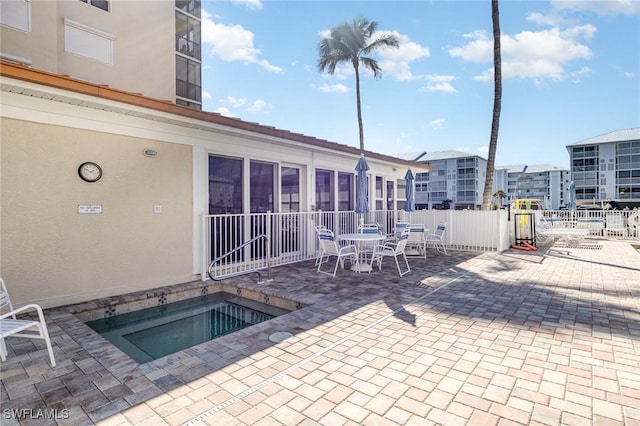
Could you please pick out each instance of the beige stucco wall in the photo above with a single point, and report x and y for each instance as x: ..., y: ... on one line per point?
x: 144, y: 61
x: 51, y: 254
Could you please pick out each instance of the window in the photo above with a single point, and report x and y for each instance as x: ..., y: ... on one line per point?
x: 188, y: 35
x: 16, y: 14
x: 188, y: 79
x: 390, y: 195
x: 345, y: 192
x: 324, y: 190
x: 88, y: 42
x: 225, y: 185
x: 100, y: 4
x: 290, y: 190
x: 261, y: 187
x: 189, y: 6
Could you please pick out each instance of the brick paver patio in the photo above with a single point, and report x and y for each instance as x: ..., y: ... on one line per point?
x: 544, y: 338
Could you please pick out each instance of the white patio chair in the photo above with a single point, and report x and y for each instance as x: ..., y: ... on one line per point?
x: 329, y: 247
x: 318, y: 229
x: 11, y: 326
x: 436, y: 239
x: 392, y: 250
x: 366, y: 248
x: 614, y: 223
x: 417, y: 241
x: 397, y: 230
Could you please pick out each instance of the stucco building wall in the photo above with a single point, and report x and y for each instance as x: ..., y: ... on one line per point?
x: 125, y: 248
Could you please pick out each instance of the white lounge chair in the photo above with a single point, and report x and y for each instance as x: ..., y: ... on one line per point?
x: 11, y: 326
x: 437, y: 238
x: 547, y: 231
x: 392, y: 250
x: 329, y: 247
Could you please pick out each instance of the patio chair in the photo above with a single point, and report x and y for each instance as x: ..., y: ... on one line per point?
x: 417, y: 242
x: 329, y: 247
x: 436, y: 239
x: 392, y: 250
x: 366, y: 248
x: 397, y: 230
x: 10, y: 325
x: 318, y: 229
x: 615, y: 224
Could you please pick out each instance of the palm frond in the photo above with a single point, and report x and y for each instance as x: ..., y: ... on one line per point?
x: 372, y: 64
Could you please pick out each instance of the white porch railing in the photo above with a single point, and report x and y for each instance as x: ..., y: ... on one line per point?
x: 292, y: 235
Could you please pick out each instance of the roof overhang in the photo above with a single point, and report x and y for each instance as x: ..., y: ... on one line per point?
x: 163, y: 110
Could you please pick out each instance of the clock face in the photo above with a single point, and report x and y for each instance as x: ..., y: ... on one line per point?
x: 90, y: 171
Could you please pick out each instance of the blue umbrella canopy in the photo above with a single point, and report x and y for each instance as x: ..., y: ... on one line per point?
x: 362, y: 194
x: 410, y: 204
x: 572, y: 196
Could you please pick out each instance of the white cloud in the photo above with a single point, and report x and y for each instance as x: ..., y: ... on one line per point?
x: 258, y: 105
x: 534, y: 55
x: 333, y: 88
x: 241, y: 103
x: 232, y: 43
x: 629, y: 75
x: 224, y: 111
x: 206, y: 95
x: 601, y: 7
x: 439, y: 83
x: 396, y: 61
x: 483, y: 150
x: 437, y: 123
x: 234, y: 102
x: 251, y: 4
x: 576, y: 76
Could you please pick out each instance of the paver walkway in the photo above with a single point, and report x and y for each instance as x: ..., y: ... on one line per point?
x: 549, y: 338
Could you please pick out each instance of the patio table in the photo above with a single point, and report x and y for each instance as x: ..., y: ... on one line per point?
x: 359, y: 238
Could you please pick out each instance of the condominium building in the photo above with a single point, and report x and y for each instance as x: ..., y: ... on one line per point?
x: 544, y: 182
x: 456, y: 180
x: 607, y: 167
x: 101, y: 42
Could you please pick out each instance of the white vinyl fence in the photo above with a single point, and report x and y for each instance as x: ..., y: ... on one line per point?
x: 290, y: 237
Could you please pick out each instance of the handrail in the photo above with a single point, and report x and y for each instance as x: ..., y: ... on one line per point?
x: 248, y: 271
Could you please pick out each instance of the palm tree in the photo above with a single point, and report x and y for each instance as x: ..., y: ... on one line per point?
x: 500, y: 195
x: 497, y: 104
x: 350, y: 42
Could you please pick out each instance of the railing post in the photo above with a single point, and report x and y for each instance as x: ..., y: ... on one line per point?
x: 268, y: 242
x: 205, y: 258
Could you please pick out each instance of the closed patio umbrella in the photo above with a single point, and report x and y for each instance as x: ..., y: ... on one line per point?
x: 410, y: 204
x: 572, y: 196
x: 362, y: 193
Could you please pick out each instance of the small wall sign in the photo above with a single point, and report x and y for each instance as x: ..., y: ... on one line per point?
x: 89, y: 208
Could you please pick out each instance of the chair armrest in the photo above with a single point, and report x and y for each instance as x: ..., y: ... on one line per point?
x: 23, y: 309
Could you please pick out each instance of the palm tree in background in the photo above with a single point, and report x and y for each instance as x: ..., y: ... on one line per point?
x: 497, y: 104
x: 500, y: 195
x: 352, y: 42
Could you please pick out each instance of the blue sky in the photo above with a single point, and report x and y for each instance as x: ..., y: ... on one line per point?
x: 571, y: 71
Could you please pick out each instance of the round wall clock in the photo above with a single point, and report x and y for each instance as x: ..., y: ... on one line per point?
x: 90, y: 171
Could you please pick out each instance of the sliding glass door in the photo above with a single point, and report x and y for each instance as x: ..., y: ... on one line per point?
x: 225, y: 198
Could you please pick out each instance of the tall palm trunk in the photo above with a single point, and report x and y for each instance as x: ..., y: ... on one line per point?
x: 497, y: 105
x: 358, y: 104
